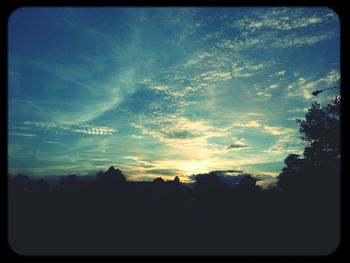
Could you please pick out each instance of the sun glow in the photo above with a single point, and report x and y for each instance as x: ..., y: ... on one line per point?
x: 194, y: 167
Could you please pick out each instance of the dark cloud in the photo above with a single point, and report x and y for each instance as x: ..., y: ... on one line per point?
x: 147, y: 165
x: 163, y: 171
x: 229, y: 177
x: 179, y: 135
x: 238, y: 146
x: 224, y: 172
x: 146, y: 178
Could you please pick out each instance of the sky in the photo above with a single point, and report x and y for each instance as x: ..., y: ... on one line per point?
x: 164, y: 91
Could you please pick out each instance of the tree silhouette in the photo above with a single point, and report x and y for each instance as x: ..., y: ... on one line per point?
x: 209, y: 182
x: 21, y: 182
x: 320, y: 164
x: 158, y: 180
x: 248, y: 184
x: 176, y: 180
x: 112, y: 175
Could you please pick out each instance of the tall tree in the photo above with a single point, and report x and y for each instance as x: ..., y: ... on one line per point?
x: 319, y: 167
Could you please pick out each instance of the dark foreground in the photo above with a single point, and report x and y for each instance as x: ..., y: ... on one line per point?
x: 161, y: 219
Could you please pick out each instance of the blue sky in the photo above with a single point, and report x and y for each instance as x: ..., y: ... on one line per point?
x: 164, y: 91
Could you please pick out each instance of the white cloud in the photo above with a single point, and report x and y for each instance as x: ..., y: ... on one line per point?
x: 304, y: 87
x: 254, y: 114
x: 274, y: 130
x: 136, y: 136
x: 254, y: 123
x: 96, y: 131
x: 51, y: 142
x: 215, y: 75
x: 287, y: 142
x: 295, y: 40
x: 185, y: 137
x: 197, y: 59
x: 84, y: 128
x: 280, y: 19
x: 264, y: 94
x: 280, y: 73
x: 22, y: 134
x: 305, y: 109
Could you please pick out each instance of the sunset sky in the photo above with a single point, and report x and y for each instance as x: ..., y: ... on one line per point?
x: 164, y: 91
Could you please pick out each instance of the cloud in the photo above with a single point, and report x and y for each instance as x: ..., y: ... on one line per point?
x: 278, y: 28
x: 303, y: 110
x: 304, y: 87
x: 136, y: 136
x: 274, y: 130
x: 247, y: 124
x: 112, y: 95
x: 294, y: 40
x: 281, y: 19
x: 96, y: 131
x: 239, y: 44
x: 86, y: 129
x: 181, y: 134
x: 271, y: 41
x: 168, y: 172
x: 140, y: 161
x: 90, y: 95
x: 215, y: 75
x: 238, y: 145
x: 254, y: 114
x: 280, y: 73
x: 178, y: 131
x: 229, y: 177
x: 246, y: 70
x: 51, y: 142
x: 264, y: 94
x: 22, y: 134
x: 274, y: 86
x: 197, y: 58
x: 280, y: 148
x: 286, y: 144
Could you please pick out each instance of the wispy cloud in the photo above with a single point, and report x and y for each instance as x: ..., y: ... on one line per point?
x: 87, y: 129
x: 96, y: 131
x: 178, y: 131
x: 304, y: 87
x: 280, y: 73
x: 263, y: 94
x: 136, y: 136
x: 274, y: 130
x: 294, y: 40
x: 22, y: 134
x: 254, y: 123
x: 274, y: 86
x: 303, y: 110
x: 254, y: 114
x: 287, y: 143
x: 282, y: 19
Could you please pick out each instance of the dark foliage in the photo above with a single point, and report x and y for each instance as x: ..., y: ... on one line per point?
x: 318, y: 169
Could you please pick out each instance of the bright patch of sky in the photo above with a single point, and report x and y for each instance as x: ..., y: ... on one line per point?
x: 164, y: 91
